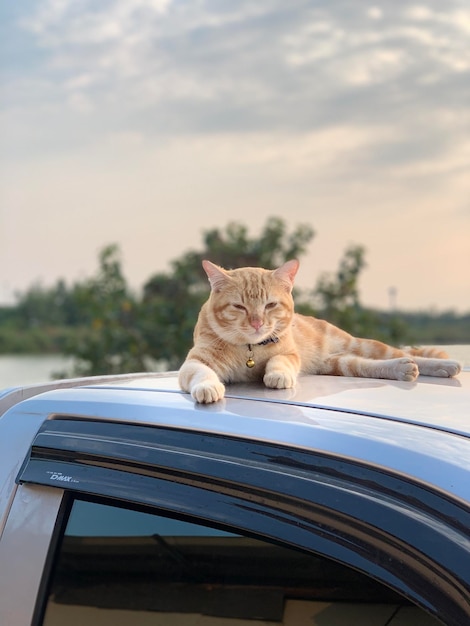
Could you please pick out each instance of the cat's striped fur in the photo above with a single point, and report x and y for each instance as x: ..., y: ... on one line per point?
x: 248, y: 330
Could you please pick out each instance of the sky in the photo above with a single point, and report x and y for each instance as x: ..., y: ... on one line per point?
x: 148, y: 122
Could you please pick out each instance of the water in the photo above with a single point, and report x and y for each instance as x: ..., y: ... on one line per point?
x: 19, y: 370
x: 25, y: 369
x: 460, y: 353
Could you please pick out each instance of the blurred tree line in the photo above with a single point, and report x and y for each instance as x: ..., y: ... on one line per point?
x: 107, y: 328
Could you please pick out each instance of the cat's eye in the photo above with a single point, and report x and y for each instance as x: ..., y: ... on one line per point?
x: 271, y: 305
x: 240, y: 307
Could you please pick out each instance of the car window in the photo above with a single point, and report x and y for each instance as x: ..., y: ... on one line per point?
x: 118, y: 566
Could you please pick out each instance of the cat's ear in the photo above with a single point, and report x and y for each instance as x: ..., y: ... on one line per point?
x: 216, y: 275
x: 287, y: 272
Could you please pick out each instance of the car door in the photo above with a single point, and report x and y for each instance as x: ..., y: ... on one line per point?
x: 119, y: 523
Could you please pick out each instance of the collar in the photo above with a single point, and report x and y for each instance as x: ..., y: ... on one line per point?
x: 273, y: 339
x: 250, y: 361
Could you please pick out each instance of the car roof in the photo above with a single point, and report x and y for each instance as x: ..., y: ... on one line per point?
x: 435, y: 403
x: 439, y: 403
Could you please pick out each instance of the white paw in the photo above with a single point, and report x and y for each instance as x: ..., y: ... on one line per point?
x: 279, y: 380
x: 445, y: 369
x: 405, y: 369
x: 452, y: 368
x: 208, y: 392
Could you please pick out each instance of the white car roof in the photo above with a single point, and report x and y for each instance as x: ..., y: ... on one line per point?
x: 442, y: 403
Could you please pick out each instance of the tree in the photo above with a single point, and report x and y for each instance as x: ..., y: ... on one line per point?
x: 113, y: 343
x: 336, y: 299
x: 40, y: 306
x: 337, y: 295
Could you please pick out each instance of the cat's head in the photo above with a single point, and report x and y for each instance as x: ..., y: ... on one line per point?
x: 250, y: 304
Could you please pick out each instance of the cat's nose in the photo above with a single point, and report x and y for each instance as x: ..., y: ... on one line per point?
x: 256, y: 323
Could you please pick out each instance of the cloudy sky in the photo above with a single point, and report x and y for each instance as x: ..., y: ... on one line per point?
x: 147, y: 122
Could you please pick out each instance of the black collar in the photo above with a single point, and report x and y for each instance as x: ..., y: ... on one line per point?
x: 273, y: 339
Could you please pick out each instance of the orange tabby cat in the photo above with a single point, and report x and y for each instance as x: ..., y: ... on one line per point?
x: 248, y: 330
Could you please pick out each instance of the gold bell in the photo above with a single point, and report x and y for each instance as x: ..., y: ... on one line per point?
x: 250, y: 363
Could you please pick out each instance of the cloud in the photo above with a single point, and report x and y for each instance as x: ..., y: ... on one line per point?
x: 284, y: 63
x: 162, y: 68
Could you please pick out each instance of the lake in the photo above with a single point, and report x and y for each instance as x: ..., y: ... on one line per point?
x: 26, y: 369
x: 19, y: 370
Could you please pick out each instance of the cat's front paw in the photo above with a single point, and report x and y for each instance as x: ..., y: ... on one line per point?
x: 279, y: 380
x: 208, y: 392
x: 405, y: 369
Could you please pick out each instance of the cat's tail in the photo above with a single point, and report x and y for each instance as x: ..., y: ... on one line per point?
x: 427, y: 351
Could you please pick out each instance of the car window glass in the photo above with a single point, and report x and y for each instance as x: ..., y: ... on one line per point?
x: 119, y: 566
x: 91, y: 519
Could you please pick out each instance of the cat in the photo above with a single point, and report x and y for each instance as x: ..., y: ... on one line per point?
x: 247, y: 330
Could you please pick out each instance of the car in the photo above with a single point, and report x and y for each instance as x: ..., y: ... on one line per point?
x: 341, y: 502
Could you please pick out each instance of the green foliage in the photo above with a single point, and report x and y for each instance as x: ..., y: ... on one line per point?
x: 113, y: 343
x: 168, y: 314
x: 233, y: 248
x: 339, y: 293
x: 336, y: 299
x: 442, y: 328
x: 35, y: 340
